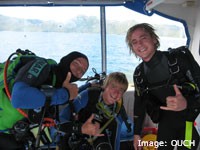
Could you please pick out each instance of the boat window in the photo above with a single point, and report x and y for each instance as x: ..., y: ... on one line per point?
x: 53, y: 32
x: 120, y: 19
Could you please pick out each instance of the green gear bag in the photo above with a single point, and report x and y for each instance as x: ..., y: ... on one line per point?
x: 8, y: 114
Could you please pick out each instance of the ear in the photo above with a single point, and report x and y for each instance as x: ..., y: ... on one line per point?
x: 155, y: 41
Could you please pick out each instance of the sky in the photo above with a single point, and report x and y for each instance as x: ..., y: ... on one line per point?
x: 61, y: 14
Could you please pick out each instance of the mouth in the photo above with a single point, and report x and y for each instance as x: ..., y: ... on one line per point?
x: 112, y: 99
x: 142, y: 50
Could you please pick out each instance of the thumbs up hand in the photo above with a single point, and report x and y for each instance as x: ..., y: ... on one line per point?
x: 67, y: 79
x: 72, y: 88
x: 175, y: 103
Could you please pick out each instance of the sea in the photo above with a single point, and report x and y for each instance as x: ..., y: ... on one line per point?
x: 55, y: 45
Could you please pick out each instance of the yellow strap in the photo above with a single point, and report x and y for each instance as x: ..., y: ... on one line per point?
x: 192, y: 85
x: 188, y: 134
x: 119, y: 104
x: 46, y: 130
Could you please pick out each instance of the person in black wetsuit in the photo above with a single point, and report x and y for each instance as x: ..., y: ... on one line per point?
x: 166, y: 88
x: 105, y: 104
x: 28, y: 93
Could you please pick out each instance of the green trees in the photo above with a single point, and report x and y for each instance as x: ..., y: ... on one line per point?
x: 80, y: 24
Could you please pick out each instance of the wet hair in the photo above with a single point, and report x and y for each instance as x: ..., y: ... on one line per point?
x: 117, y: 77
x: 147, y: 28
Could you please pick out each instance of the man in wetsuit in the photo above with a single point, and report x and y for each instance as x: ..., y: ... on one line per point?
x: 166, y: 88
x: 104, y: 103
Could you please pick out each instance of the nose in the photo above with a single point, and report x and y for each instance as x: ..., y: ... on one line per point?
x: 80, y: 72
x: 116, y: 93
x: 140, y: 42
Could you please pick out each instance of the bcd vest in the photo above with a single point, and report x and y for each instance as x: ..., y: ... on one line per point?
x: 8, y: 114
x: 104, y: 115
x: 183, y: 71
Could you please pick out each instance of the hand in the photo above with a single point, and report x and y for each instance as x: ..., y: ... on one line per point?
x: 175, y: 103
x: 136, y: 140
x: 91, y: 128
x: 72, y: 88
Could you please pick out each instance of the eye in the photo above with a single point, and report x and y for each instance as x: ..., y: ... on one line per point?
x: 79, y: 66
x: 133, y: 42
x: 121, y: 91
x: 113, y: 86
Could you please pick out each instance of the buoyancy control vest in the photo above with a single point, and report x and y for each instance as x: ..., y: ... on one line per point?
x: 175, y: 67
x: 156, y: 78
x: 104, y: 115
x: 9, y: 70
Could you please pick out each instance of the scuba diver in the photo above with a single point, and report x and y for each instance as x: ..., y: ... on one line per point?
x: 38, y: 89
x: 104, y: 103
x: 166, y: 88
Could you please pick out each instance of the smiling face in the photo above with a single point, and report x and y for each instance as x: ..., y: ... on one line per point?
x: 79, y: 66
x: 113, y: 93
x: 114, y: 87
x: 143, y: 44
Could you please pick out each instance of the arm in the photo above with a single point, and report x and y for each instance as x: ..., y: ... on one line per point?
x: 26, y: 91
x: 175, y: 103
x: 28, y: 97
x: 186, y: 98
x: 79, y: 102
x: 180, y: 102
x: 139, y: 115
x: 88, y: 127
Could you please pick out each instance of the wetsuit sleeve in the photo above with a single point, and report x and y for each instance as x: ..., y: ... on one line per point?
x: 192, y: 70
x: 28, y: 97
x: 193, y: 99
x: 195, y: 68
x: 26, y: 91
x: 139, y: 114
x: 79, y: 102
x: 139, y: 104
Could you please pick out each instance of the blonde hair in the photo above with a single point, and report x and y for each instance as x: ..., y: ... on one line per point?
x: 117, y: 77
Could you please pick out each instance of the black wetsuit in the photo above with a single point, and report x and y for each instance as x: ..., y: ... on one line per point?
x: 90, y: 102
x: 153, y: 81
x: 107, y: 142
